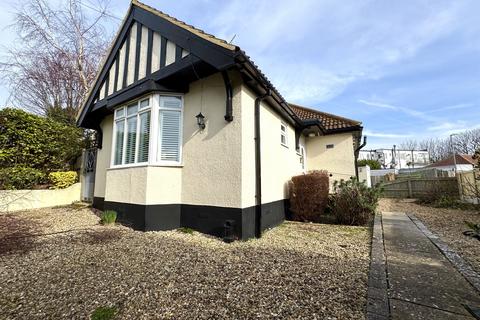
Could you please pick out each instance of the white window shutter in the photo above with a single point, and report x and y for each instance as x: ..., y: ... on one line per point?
x: 131, y: 140
x: 144, y: 137
x: 169, y: 135
x: 119, y: 133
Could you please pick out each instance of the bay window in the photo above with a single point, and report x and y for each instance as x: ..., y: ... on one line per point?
x: 139, y: 140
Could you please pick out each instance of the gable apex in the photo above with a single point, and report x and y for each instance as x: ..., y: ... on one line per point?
x: 149, y: 46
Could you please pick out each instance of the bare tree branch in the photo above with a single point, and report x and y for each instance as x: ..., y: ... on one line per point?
x: 56, y: 57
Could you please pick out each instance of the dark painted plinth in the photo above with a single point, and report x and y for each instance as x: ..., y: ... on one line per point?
x: 206, y: 219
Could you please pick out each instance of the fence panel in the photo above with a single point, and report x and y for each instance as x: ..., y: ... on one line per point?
x: 414, y: 188
x: 469, y: 185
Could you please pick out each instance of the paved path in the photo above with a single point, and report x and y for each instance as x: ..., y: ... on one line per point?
x: 422, y: 283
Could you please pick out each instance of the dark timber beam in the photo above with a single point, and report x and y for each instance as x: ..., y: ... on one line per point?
x: 149, y: 52
x: 137, y: 51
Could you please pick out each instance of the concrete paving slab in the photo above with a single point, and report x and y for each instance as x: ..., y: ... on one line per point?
x: 420, y: 275
x: 403, y: 310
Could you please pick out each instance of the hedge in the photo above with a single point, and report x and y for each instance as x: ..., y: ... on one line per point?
x: 62, y: 179
x: 32, y: 141
x: 309, y: 195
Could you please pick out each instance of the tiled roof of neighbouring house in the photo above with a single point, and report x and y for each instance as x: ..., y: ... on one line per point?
x: 329, y: 121
x: 460, y: 159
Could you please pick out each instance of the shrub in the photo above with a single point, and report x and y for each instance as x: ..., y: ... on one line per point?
x: 373, y: 164
x: 62, y: 179
x: 474, y: 231
x: 353, y: 203
x: 309, y: 195
x: 103, y: 313
x: 108, y: 217
x: 36, y: 142
x: 186, y: 230
x: 20, y: 177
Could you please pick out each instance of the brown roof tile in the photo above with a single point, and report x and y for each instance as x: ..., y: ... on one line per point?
x: 460, y: 159
x: 329, y: 121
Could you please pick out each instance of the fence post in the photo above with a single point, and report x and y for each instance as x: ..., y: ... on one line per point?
x: 460, y: 185
x: 409, y: 184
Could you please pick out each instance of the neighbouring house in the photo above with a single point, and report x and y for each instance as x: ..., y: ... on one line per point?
x: 191, y: 133
x: 397, y: 158
x: 463, y: 162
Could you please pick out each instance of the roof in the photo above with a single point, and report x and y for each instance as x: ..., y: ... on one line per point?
x: 239, y: 58
x: 186, y: 26
x: 460, y: 159
x: 328, y: 120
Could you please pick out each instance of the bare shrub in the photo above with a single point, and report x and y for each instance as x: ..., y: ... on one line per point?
x: 353, y: 203
x: 309, y: 195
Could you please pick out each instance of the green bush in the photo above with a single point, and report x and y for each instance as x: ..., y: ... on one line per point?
x: 353, y: 203
x: 19, y: 177
x: 373, y: 164
x: 186, y: 230
x: 108, y: 217
x: 32, y: 141
x: 103, y: 313
x: 309, y: 196
x: 62, y: 179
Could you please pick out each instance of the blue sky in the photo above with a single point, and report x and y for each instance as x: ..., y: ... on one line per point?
x: 406, y: 69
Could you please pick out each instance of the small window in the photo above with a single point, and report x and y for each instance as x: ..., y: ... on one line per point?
x: 283, y: 135
x: 330, y: 146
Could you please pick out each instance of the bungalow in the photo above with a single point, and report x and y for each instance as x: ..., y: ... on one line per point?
x: 191, y: 133
x: 461, y: 162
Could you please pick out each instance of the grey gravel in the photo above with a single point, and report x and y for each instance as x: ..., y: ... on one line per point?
x: 296, y: 271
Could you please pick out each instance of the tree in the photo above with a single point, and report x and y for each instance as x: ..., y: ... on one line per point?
x: 410, y: 144
x: 56, y: 56
x: 466, y: 142
x: 373, y: 164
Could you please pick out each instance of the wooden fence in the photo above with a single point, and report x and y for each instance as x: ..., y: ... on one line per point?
x: 469, y: 186
x: 415, y: 188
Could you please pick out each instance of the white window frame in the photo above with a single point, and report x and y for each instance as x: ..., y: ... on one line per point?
x: 154, y: 108
x: 155, y: 137
x: 284, y: 133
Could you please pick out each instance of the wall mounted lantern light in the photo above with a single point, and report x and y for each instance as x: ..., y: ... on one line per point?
x: 200, y: 120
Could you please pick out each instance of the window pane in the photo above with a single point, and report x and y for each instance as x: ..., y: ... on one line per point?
x: 132, y: 109
x: 119, y: 113
x: 131, y: 140
x: 144, y: 104
x: 283, y: 139
x: 170, y: 102
x: 119, y: 132
x: 144, y: 136
x: 169, y: 135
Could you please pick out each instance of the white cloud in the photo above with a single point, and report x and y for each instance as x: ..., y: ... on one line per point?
x: 386, y: 135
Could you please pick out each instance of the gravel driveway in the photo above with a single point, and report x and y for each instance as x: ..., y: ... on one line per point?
x: 296, y: 270
x: 447, y: 223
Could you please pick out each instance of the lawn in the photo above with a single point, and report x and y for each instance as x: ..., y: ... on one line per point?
x: 446, y: 223
x: 60, y: 263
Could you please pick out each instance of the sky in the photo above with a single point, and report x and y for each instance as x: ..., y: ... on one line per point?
x: 406, y: 69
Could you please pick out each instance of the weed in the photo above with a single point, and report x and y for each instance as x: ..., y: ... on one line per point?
x: 186, y: 230
x: 103, y: 313
x: 108, y: 217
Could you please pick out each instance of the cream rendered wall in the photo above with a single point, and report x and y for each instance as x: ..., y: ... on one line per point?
x: 210, y: 173
x: 339, y: 161
x: 212, y: 158
x: 279, y: 163
x: 127, y: 185
x: 103, y: 157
